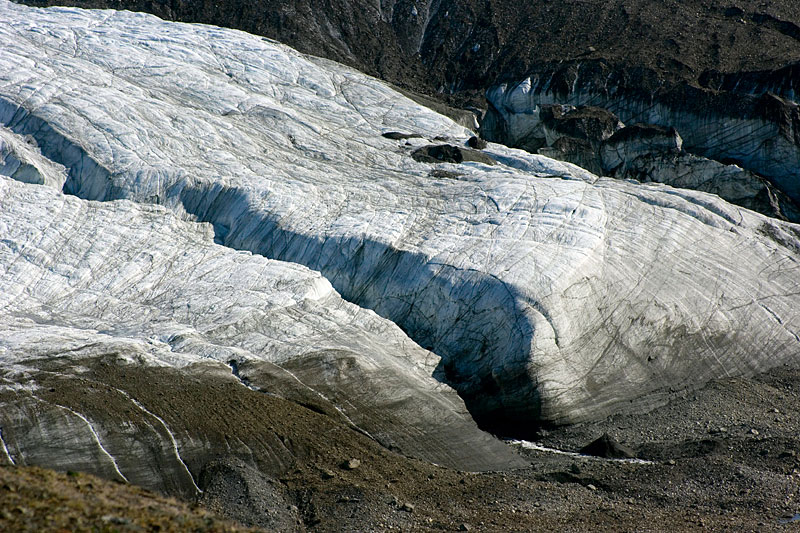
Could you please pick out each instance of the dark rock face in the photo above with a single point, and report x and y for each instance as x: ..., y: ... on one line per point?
x: 593, y: 124
x: 468, y: 45
x: 632, y: 142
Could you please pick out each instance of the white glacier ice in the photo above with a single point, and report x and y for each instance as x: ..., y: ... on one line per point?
x: 549, y: 293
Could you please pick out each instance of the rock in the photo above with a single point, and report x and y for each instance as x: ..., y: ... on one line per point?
x: 591, y: 487
x: 407, y: 507
x: 578, y: 151
x: 439, y: 173
x: 607, y: 447
x: 440, y: 153
x: 447, y: 153
x: 476, y: 143
x: 590, y: 123
x: 351, y: 464
x: 464, y: 527
x: 116, y: 520
x: 396, y: 135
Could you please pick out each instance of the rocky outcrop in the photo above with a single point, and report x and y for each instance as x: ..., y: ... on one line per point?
x: 758, y: 131
x: 551, y: 295
x: 631, y: 143
x: 459, y: 48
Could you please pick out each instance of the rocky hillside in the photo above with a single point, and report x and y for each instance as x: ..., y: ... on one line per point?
x: 443, y: 45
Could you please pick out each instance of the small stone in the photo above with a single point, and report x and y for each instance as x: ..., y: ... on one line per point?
x: 464, y: 527
x: 591, y: 487
x: 351, y: 464
x: 407, y: 507
x: 327, y: 474
x: 671, y: 462
x: 574, y: 468
x: 754, y: 431
x: 118, y: 520
x: 592, y: 49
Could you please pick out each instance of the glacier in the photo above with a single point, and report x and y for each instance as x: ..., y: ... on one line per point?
x: 550, y: 294
x: 134, y: 285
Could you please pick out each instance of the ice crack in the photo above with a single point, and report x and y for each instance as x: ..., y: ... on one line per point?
x: 97, y: 440
x: 528, y: 445
x: 5, y: 448
x: 169, y: 433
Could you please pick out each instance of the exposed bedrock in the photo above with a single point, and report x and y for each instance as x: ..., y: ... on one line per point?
x: 551, y: 295
x: 748, y: 125
x: 595, y: 139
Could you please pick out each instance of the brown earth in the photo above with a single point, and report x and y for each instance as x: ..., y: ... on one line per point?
x: 36, y: 499
x: 458, y: 49
x: 723, y: 458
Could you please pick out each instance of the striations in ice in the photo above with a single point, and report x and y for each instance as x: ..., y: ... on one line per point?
x: 550, y: 294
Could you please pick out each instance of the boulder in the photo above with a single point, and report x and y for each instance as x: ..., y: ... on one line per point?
x: 608, y: 448
x: 447, y: 153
